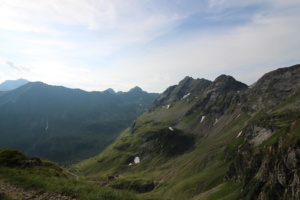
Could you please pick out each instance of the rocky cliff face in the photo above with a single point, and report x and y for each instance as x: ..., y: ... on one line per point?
x: 267, y: 158
x: 269, y: 171
x: 208, y: 94
x: 185, y: 87
x: 274, y: 88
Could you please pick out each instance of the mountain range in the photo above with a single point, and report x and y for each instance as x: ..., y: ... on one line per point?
x: 65, y: 124
x: 198, y: 140
x: 209, y: 140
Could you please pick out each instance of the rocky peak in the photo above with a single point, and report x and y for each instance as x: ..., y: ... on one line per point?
x: 136, y: 89
x: 225, y: 83
x: 188, y: 86
x: 275, y: 87
x: 281, y: 79
x: 163, y: 98
x: 183, y: 88
x: 196, y: 87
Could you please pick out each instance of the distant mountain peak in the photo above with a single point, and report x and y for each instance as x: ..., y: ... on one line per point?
x: 110, y: 90
x: 223, y: 78
x: 12, y: 84
x: 136, y: 89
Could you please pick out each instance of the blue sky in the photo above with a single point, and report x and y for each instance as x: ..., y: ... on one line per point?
x: 100, y: 44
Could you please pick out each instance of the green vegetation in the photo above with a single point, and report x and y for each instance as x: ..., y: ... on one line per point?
x: 38, y: 180
x: 225, y: 192
x: 219, y: 126
x: 48, y: 177
x: 184, y: 175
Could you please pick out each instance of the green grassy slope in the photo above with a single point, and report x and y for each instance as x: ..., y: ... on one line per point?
x: 47, y: 177
x: 204, y: 146
x: 181, y: 163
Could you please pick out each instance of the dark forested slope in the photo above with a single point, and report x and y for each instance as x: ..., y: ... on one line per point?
x: 64, y: 124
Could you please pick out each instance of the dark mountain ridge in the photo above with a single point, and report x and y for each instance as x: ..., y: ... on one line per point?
x: 196, y: 87
x: 65, y: 124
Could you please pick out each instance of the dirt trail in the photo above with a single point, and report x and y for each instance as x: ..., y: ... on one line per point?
x: 19, y: 193
x: 77, y: 177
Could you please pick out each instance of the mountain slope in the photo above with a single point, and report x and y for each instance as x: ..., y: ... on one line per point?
x: 12, y: 84
x: 22, y: 177
x: 211, y: 140
x: 64, y: 124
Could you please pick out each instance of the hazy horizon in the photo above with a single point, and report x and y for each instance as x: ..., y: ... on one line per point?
x: 101, y: 44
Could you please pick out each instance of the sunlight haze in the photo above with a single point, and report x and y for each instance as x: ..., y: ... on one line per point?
x: 100, y: 44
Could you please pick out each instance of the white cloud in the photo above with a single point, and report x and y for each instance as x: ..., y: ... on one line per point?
x: 100, y: 28
x: 246, y: 52
x: 12, y: 65
x: 111, y: 43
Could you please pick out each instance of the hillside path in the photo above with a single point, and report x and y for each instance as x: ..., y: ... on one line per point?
x: 77, y: 177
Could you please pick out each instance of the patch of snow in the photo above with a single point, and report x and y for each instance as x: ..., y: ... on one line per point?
x: 185, y: 96
x: 136, y: 160
x: 203, y: 117
x: 216, y: 121
x: 171, y: 128
x: 168, y: 106
x: 240, y: 133
x: 130, y: 164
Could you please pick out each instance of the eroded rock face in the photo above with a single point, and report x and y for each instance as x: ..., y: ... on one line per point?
x: 188, y: 86
x: 261, y: 135
x: 275, y: 87
x: 193, y: 88
x: 281, y: 176
x: 267, y: 161
x: 271, y: 173
x: 224, y: 84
